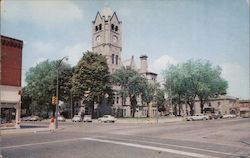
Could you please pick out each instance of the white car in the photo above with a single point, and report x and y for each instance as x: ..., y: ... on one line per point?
x: 61, y: 118
x: 77, y: 118
x: 87, y: 118
x: 107, y: 118
x: 197, y: 117
x: 228, y: 116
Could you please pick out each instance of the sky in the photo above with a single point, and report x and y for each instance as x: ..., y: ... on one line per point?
x: 168, y: 31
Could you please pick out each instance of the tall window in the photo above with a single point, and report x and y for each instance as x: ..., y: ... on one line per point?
x: 100, y: 27
x: 112, y: 26
x: 116, y: 59
x: 116, y: 28
x: 117, y: 100
x: 96, y: 28
x: 113, y: 58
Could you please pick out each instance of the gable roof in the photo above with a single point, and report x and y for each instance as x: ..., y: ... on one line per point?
x: 98, y: 14
x: 115, y: 15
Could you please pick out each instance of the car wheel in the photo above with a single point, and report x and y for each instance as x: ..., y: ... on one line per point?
x: 204, y: 118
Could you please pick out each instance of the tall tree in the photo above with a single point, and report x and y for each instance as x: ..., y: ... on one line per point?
x: 91, y: 79
x: 41, y: 85
x: 148, y: 94
x: 160, y: 100
x: 131, y: 84
x: 192, y: 79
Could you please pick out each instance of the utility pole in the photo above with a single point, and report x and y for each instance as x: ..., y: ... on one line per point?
x: 57, y: 88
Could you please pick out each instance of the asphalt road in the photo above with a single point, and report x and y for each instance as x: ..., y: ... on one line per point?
x: 214, y: 138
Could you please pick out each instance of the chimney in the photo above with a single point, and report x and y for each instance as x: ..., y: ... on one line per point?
x: 144, y: 63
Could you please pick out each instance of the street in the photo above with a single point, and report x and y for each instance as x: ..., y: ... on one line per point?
x: 226, y: 138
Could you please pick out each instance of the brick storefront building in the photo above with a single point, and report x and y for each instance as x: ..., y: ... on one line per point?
x: 10, y: 79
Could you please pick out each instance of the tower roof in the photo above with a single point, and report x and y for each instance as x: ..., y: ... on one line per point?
x: 106, y: 14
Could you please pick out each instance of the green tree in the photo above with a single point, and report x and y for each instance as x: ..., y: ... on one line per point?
x: 91, y: 80
x: 131, y: 85
x: 160, y: 100
x: 41, y: 85
x: 148, y: 94
x: 192, y: 79
x: 26, y: 101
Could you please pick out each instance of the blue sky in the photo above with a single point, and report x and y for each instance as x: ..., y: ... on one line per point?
x: 168, y: 31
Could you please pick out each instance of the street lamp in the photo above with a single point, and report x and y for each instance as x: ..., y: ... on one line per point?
x: 59, y: 62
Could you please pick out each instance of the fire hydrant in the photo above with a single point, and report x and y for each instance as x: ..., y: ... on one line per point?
x: 52, y: 123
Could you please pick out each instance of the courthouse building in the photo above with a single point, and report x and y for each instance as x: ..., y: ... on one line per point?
x: 10, y: 79
x: 107, y: 40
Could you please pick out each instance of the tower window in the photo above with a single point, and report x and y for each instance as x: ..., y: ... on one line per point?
x: 116, y: 59
x: 113, y: 58
x: 112, y: 27
x: 96, y: 28
x: 117, y: 100
x: 116, y: 28
x: 100, y: 27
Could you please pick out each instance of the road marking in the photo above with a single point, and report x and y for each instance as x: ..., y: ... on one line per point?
x: 179, y: 146
x: 42, y: 143
x: 150, y: 148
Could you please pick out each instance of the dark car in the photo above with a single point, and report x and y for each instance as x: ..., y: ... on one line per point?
x: 216, y: 116
x: 3, y: 120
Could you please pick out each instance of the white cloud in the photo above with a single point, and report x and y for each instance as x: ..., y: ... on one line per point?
x: 161, y: 64
x: 45, y: 13
x: 238, y: 80
x: 75, y: 52
x: 45, y: 49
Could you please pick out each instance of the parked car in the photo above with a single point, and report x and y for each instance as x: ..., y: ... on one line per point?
x: 35, y: 118
x: 229, y: 116
x: 3, y: 120
x: 216, y: 116
x: 27, y: 118
x: 87, y: 118
x: 61, y: 118
x: 77, y: 118
x: 197, y: 117
x: 107, y: 118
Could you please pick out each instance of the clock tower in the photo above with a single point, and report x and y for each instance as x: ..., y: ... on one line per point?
x: 107, y: 38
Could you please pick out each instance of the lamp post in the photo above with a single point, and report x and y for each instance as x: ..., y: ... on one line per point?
x: 59, y: 62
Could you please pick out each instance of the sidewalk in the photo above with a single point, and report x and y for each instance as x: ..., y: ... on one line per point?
x: 12, y: 130
x: 149, y: 120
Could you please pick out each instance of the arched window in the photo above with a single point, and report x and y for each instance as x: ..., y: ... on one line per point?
x: 100, y: 27
x: 96, y: 28
x: 116, y: 28
x: 112, y: 26
x: 116, y: 59
x: 113, y: 58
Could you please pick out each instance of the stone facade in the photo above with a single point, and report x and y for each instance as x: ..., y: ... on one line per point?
x: 244, y: 108
x: 223, y: 104
x: 107, y: 40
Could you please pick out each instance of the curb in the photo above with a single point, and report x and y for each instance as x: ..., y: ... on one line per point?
x: 30, y: 131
